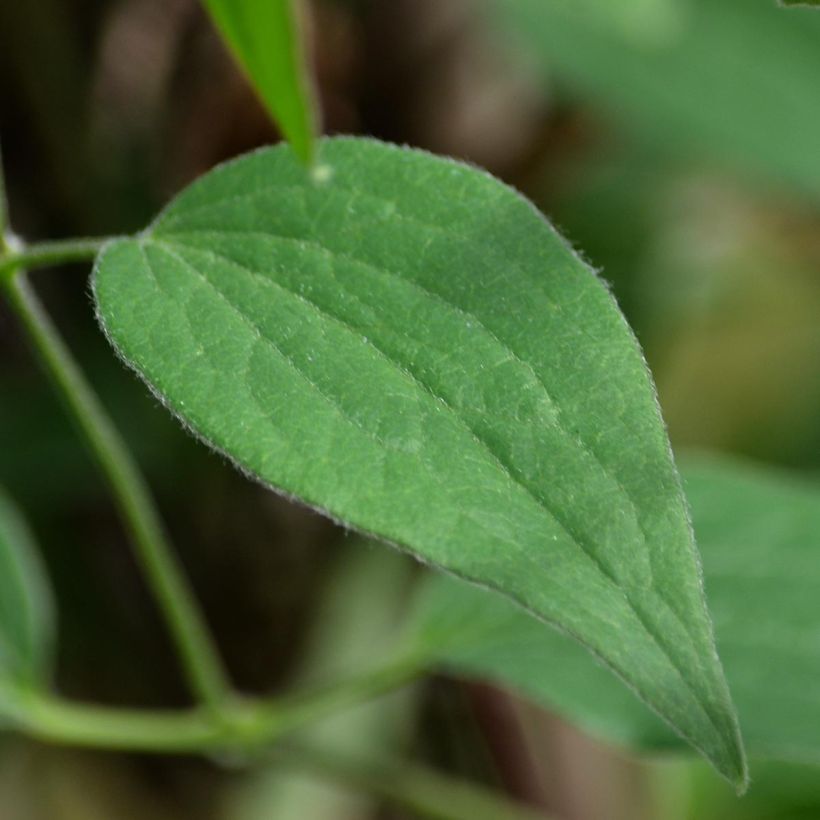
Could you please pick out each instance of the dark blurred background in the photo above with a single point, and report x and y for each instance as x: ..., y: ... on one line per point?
x: 109, y: 108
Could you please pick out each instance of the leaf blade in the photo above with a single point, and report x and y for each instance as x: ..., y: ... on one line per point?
x: 26, y: 609
x: 518, y: 415
x: 638, y: 21
x: 712, y: 92
x: 264, y: 37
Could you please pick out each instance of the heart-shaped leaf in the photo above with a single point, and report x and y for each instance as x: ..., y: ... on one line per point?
x: 26, y: 613
x: 759, y: 534
x: 409, y: 346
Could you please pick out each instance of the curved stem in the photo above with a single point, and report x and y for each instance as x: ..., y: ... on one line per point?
x: 163, y: 572
x: 419, y: 789
x: 54, y: 720
x: 246, y: 725
x: 46, y: 254
x: 241, y: 723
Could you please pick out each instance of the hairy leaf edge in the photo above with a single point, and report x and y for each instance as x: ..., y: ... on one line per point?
x: 740, y: 776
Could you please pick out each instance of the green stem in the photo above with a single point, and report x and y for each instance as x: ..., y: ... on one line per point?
x: 241, y: 723
x: 199, y: 656
x: 47, y: 254
x: 243, y: 727
x: 54, y: 720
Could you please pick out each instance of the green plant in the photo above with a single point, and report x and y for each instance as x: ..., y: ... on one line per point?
x: 406, y: 344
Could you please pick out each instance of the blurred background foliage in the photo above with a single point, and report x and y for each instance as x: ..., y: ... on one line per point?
x: 675, y: 142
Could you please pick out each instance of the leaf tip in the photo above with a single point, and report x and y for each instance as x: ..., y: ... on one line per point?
x: 741, y: 779
x: 737, y: 772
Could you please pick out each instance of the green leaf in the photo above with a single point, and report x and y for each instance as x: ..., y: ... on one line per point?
x: 759, y: 535
x: 639, y: 21
x: 26, y: 613
x: 410, y: 347
x: 264, y: 37
x: 809, y: 3
x: 737, y: 84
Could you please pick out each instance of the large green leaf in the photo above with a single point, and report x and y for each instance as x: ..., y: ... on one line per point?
x: 736, y: 84
x: 409, y: 346
x: 264, y: 37
x: 759, y: 536
x: 26, y: 621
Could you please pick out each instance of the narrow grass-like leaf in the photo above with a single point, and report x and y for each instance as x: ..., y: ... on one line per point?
x: 737, y: 84
x: 264, y: 37
x: 759, y: 535
x: 26, y: 619
x: 409, y: 346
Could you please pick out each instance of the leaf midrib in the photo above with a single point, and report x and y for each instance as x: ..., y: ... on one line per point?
x: 333, y: 255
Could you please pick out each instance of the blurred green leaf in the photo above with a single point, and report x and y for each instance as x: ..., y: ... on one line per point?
x: 759, y: 534
x: 736, y: 84
x: 26, y: 615
x: 410, y: 346
x: 813, y: 3
x: 648, y: 21
x: 264, y: 37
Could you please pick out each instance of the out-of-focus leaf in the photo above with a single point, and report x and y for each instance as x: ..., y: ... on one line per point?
x: 410, y: 346
x: 737, y: 83
x: 812, y: 3
x: 759, y: 535
x: 26, y: 621
x: 647, y: 21
x: 264, y: 37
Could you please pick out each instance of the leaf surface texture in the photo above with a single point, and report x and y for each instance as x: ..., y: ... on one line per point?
x: 758, y: 535
x: 412, y: 348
